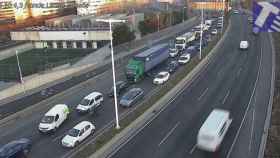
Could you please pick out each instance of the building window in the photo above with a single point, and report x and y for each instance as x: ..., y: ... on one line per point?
x: 49, y: 45
x: 89, y: 44
x: 59, y: 44
x: 69, y: 44
x: 79, y: 45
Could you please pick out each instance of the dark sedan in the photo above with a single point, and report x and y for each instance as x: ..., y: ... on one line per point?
x: 120, y: 87
x: 172, y: 66
x: 16, y: 149
x: 131, y: 97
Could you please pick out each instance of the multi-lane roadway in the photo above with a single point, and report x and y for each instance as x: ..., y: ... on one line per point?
x: 229, y: 82
x: 50, y: 145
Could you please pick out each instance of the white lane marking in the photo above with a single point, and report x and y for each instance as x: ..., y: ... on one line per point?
x: 226, y: 96
x: 193, y: 149
x: 169, y: 133
x: 243, y: 119
x: 58, y: 137
x: 204, y: 92
x: 252, y: 127
x: 239, y: 71
x: 278, y: 17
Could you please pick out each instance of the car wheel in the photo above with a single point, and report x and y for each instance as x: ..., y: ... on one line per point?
x: 54, y: 130
x: 92, y: 131
x: 75, y: 144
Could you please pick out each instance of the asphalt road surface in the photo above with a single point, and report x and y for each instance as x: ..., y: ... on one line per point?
x: 229, y: 82
x: 46, y: 146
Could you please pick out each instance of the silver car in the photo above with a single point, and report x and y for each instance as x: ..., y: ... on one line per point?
x: 131, y: 97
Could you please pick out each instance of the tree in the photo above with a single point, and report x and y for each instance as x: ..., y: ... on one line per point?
x: 146, y: 27
x: 122, y: 34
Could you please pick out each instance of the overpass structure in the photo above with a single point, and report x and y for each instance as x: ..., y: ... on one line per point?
x: 51, y: 37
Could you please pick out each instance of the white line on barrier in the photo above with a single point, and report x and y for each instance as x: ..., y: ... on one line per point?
x: 168, y: 134
x: 203, y: 94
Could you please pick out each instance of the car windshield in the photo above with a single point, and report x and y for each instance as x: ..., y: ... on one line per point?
x: 183, y: 57
x: 130, y: 95
x: 130, y: 70
x: 47, y: 119
x: 73, y: 132
x: 160, y: 76
x: 172, y: 50
x: 179, y: 41
x: 85, y: 102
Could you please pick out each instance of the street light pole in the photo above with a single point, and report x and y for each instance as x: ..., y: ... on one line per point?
x: 183, y: 14
x: 201, y: 25
x: 223, y: 15
x: 110, y: 21
x: 158, y: 21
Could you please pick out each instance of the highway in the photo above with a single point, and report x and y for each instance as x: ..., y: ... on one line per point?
x: 45, y: 146
x: 229, y: 82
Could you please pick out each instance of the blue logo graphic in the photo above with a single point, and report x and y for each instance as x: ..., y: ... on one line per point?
x: 266, y: 16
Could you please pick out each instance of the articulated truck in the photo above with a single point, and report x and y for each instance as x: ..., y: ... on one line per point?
x: 143, y: 62
x: 182, y: 42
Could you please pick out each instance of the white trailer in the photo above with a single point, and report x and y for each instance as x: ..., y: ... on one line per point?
x: 182, y: 42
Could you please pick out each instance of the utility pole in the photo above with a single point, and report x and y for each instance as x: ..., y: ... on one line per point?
x: 201, y: 31
x: 110, y: 21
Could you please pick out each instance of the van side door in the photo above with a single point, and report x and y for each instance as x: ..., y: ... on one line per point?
x: 98, y: 99
x: 57, y: 120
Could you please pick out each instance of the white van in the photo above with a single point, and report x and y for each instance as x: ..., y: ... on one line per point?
x: 54, y: 118
x: 90, y: 102
x: 213, y: 130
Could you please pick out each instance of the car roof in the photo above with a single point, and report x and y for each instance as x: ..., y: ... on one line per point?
x: 82, y: 124
x: 92, y: 95
x: 214, y: 121
x: 57, y: 107
x: 4, y: 149
x: 163, y: 73
x: 185, y: 55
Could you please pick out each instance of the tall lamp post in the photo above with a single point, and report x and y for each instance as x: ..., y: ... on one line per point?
x: 201, y: 31
x: 184, y: 14
x: 110, y: 21
x: 223, y: 15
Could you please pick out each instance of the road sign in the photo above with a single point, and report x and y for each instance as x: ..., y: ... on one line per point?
x: 266, y: 16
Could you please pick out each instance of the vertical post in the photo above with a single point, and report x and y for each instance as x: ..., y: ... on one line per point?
x: 114, y: 77
x: 223, y: 15
x: 201, y: 27
x: 183, y: 17
x: 19, y: 69
x: 158, y: 21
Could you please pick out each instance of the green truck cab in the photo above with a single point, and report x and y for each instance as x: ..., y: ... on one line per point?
x: 134, y: 70
x: 143, y: 62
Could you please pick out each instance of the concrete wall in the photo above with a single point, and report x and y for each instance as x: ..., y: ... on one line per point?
x: 61, y: 35
x: 6, y: 53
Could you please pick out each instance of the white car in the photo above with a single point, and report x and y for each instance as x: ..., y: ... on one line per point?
x: 214, y: 32
x: 184, y: 58
x: 244, y: 45
x: 235, y: 11
x: 161, y: 77
x: 90, y: 102
x: 77, y: 134
x: 173, y: 52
